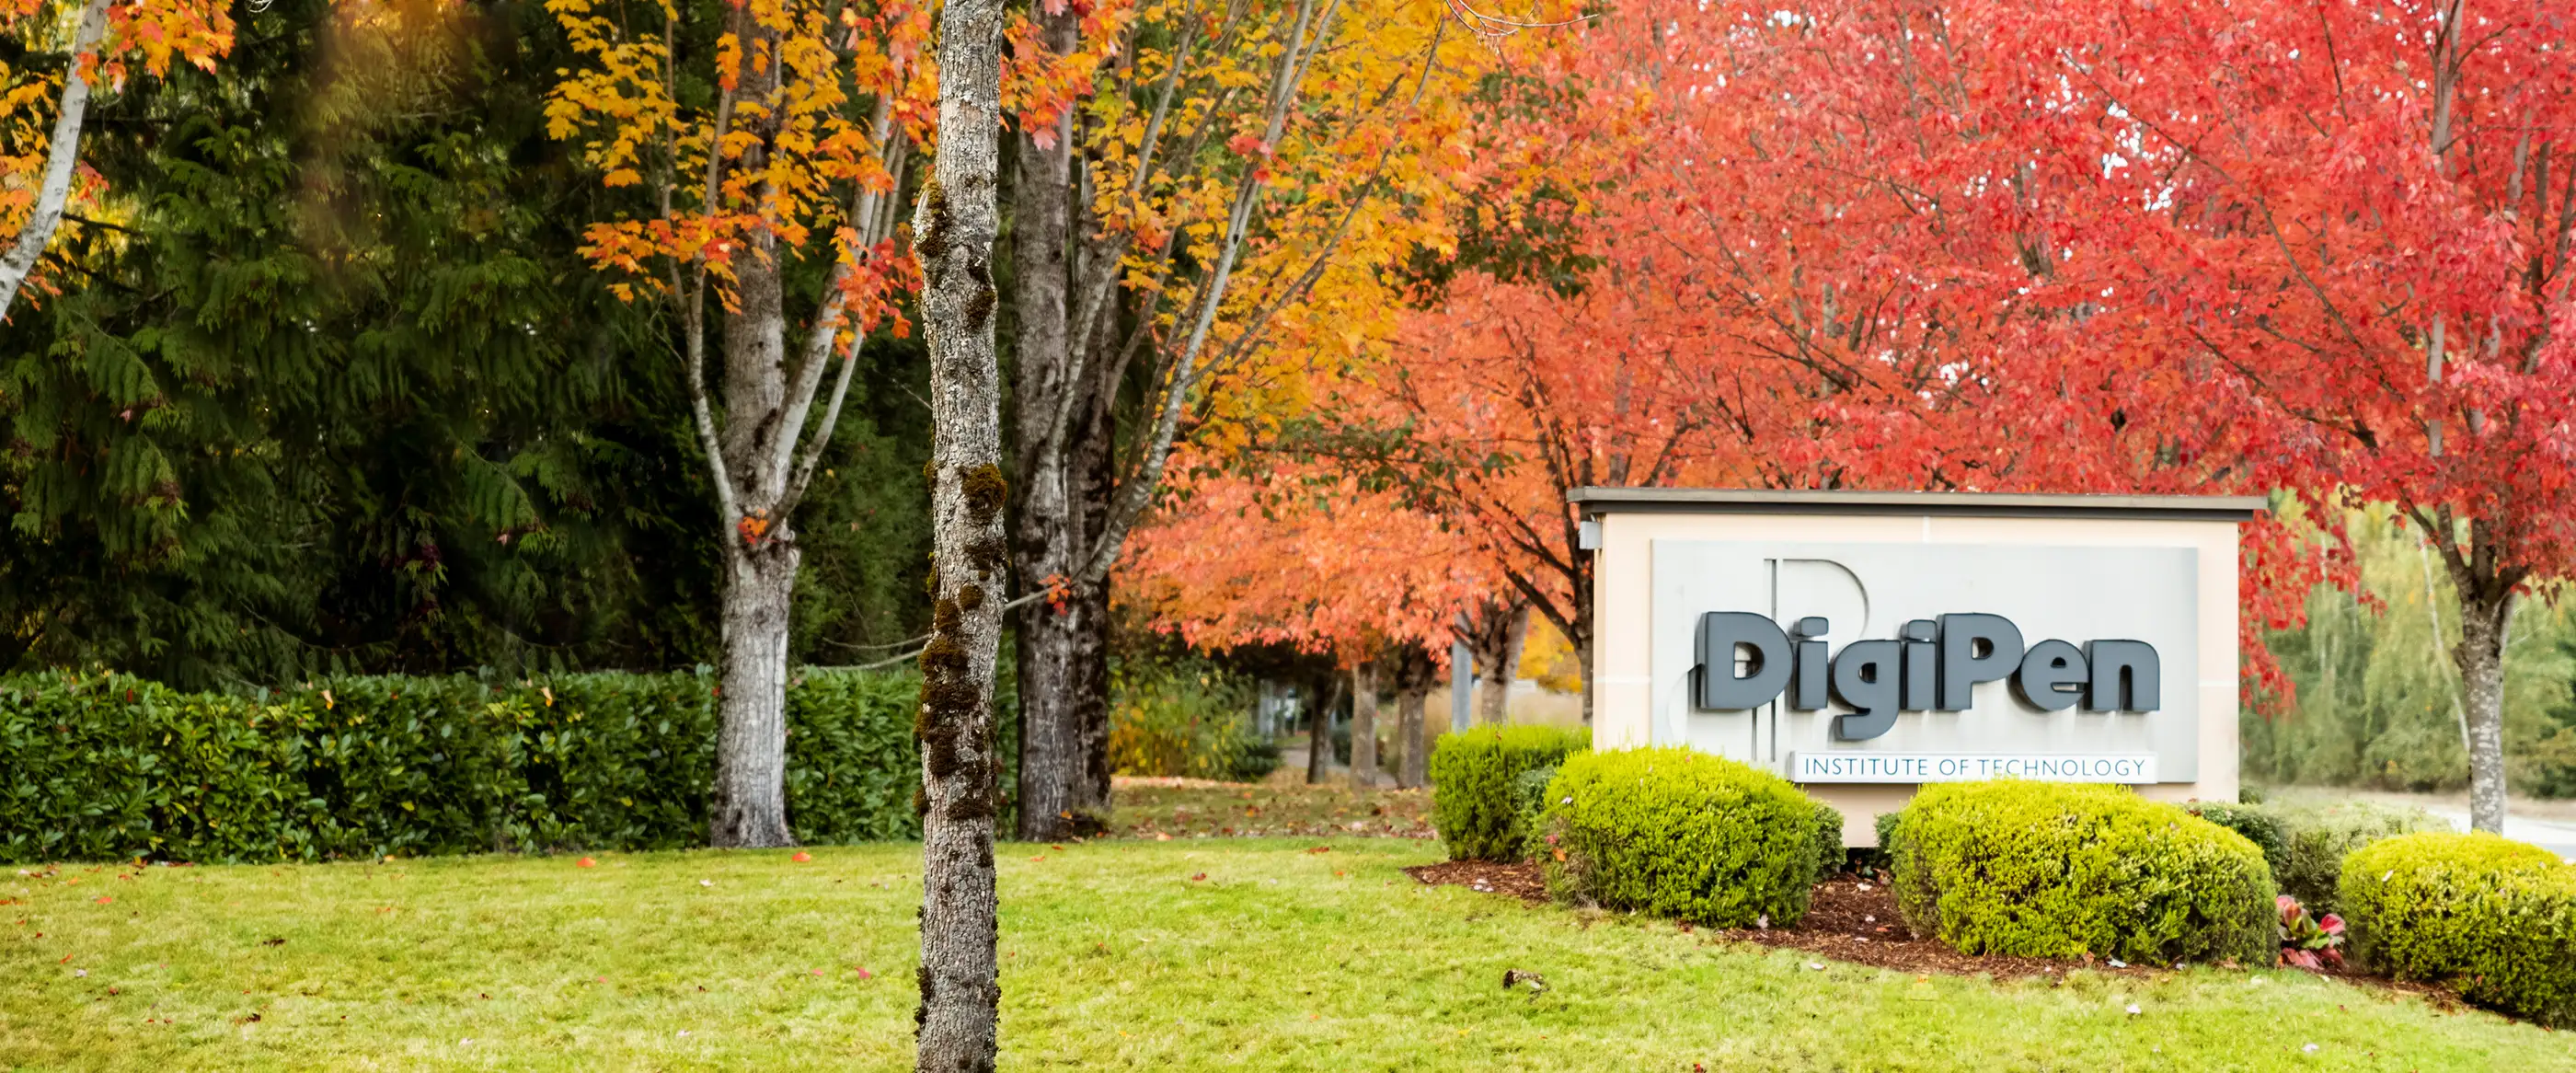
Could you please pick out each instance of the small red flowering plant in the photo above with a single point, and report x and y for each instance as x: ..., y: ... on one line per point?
x: 2308, y: 942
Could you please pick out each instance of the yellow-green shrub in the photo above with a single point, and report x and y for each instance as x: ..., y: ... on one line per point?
x: 2037, y: 869
x: 1185, y: 718
x: 1472, y: 775
x: 2493, y: 918
x: 1683, y: 834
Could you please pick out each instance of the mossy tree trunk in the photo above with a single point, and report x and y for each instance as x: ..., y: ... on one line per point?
x: 958, y: 1021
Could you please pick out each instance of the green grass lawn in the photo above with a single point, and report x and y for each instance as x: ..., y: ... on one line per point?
x: 1115, y: 955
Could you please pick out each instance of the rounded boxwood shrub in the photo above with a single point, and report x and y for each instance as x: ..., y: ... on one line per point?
x: 1683, y: 834
x: 1472, y: 778
x: 2491, y: 917
x: 2038, y: 869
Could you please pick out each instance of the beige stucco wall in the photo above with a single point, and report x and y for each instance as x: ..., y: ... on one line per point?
x: 1623, y: 587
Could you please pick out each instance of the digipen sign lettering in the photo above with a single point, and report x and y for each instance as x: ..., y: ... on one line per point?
x: 1936, y: 665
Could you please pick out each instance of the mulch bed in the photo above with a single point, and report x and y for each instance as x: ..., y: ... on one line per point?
x: 1854, y: 919
x: 1521, y: 881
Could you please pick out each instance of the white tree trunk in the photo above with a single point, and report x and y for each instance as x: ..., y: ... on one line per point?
x: 2480, y: 657
x: 62, y: 155
x: 959, y: 1019
x: 750, y: 802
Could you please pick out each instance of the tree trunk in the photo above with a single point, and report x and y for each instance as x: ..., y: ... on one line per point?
x: 1498, y: 654
x: 2480, y: 657
x: 1319, y: 733
x: 1412, y: 770
x: 1364, y: 724
x: 1064, y: 715
x: 749, y: 809
x: 958, y: 1022
x: 62, y: 157
x: 1065, y: 434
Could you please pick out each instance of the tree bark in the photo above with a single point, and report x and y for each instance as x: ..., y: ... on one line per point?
x: 1065, y: 433
x: 749, y: 803
x: 1412, y: 770
x: 62, y: 156
x: 958, y: 1021
x: 1064, y: 715
x: 1499, y: 636
x: 1414, y: 676
x: 750, y: 799
x: 2480, y: 657
x: 1319, y: 733
x: 1364, y: 724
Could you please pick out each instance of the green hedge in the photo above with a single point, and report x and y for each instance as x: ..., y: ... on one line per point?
x: 2259, y: 826
x: 2037, y: 869
x: 1529, y: 807
x: 1472, y: 776
x: 2319, y: 837
x: 2493, y: 918
x: 102, y: 767
x: 1831, y: 853
x: 1683, y: 834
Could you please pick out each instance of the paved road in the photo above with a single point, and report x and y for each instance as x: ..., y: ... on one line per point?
x: 2556, y: 836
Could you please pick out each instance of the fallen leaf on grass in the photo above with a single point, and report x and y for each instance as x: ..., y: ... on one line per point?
x: 801, y: 857
x: 1321, y: 849
x: 1198, y: 877
x: 103, y: 899
x: 585, y: 863
x: 279, y: 941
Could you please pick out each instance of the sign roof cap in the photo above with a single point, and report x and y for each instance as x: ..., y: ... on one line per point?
x: 1598, y: 501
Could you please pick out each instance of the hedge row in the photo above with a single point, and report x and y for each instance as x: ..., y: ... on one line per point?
x: 113, y: 767
x: 2037, y: 869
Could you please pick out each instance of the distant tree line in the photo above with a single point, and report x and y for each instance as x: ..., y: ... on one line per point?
x: 2377, y: 702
